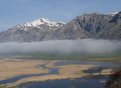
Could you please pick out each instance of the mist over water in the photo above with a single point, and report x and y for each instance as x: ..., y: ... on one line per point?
x: 87, y: 46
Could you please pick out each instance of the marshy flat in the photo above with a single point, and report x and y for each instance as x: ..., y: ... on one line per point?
x: 75, y: 73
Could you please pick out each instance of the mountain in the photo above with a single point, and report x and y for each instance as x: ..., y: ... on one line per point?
x: 85, y: 26
x: 38, y: 30
x: 113, y: 28
x: 94, y: 25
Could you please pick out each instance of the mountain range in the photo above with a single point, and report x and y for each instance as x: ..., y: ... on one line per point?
x: 94, y: 25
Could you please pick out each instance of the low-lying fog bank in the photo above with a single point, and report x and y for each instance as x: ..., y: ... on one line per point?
x: 87, y: 46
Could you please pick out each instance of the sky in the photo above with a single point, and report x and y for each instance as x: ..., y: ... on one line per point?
x: 15, y: 12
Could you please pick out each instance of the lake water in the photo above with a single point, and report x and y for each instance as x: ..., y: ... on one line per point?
x: 77, y: 62
x: 75, y: 83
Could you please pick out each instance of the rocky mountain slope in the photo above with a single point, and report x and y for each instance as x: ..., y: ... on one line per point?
x: 95, y: 25
x: 38, y: 30
x: 113, y: 28
x: 85, y: 26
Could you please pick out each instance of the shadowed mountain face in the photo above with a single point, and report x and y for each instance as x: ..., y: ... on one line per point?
x: 86, y: 26
x: 113, y: 28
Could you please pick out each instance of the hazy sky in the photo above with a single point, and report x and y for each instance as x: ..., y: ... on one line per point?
x: 20, y: 11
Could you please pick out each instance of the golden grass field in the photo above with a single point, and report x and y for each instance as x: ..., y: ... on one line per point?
x: 11, y: 68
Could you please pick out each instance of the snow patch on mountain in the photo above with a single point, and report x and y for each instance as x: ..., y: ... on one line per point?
x: 113, y: 14
x: 37, y: 23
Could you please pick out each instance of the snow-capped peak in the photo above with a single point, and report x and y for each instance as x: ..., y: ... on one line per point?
x: 44, y: 20
x: 37, y: 23
x: 113, y: 14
